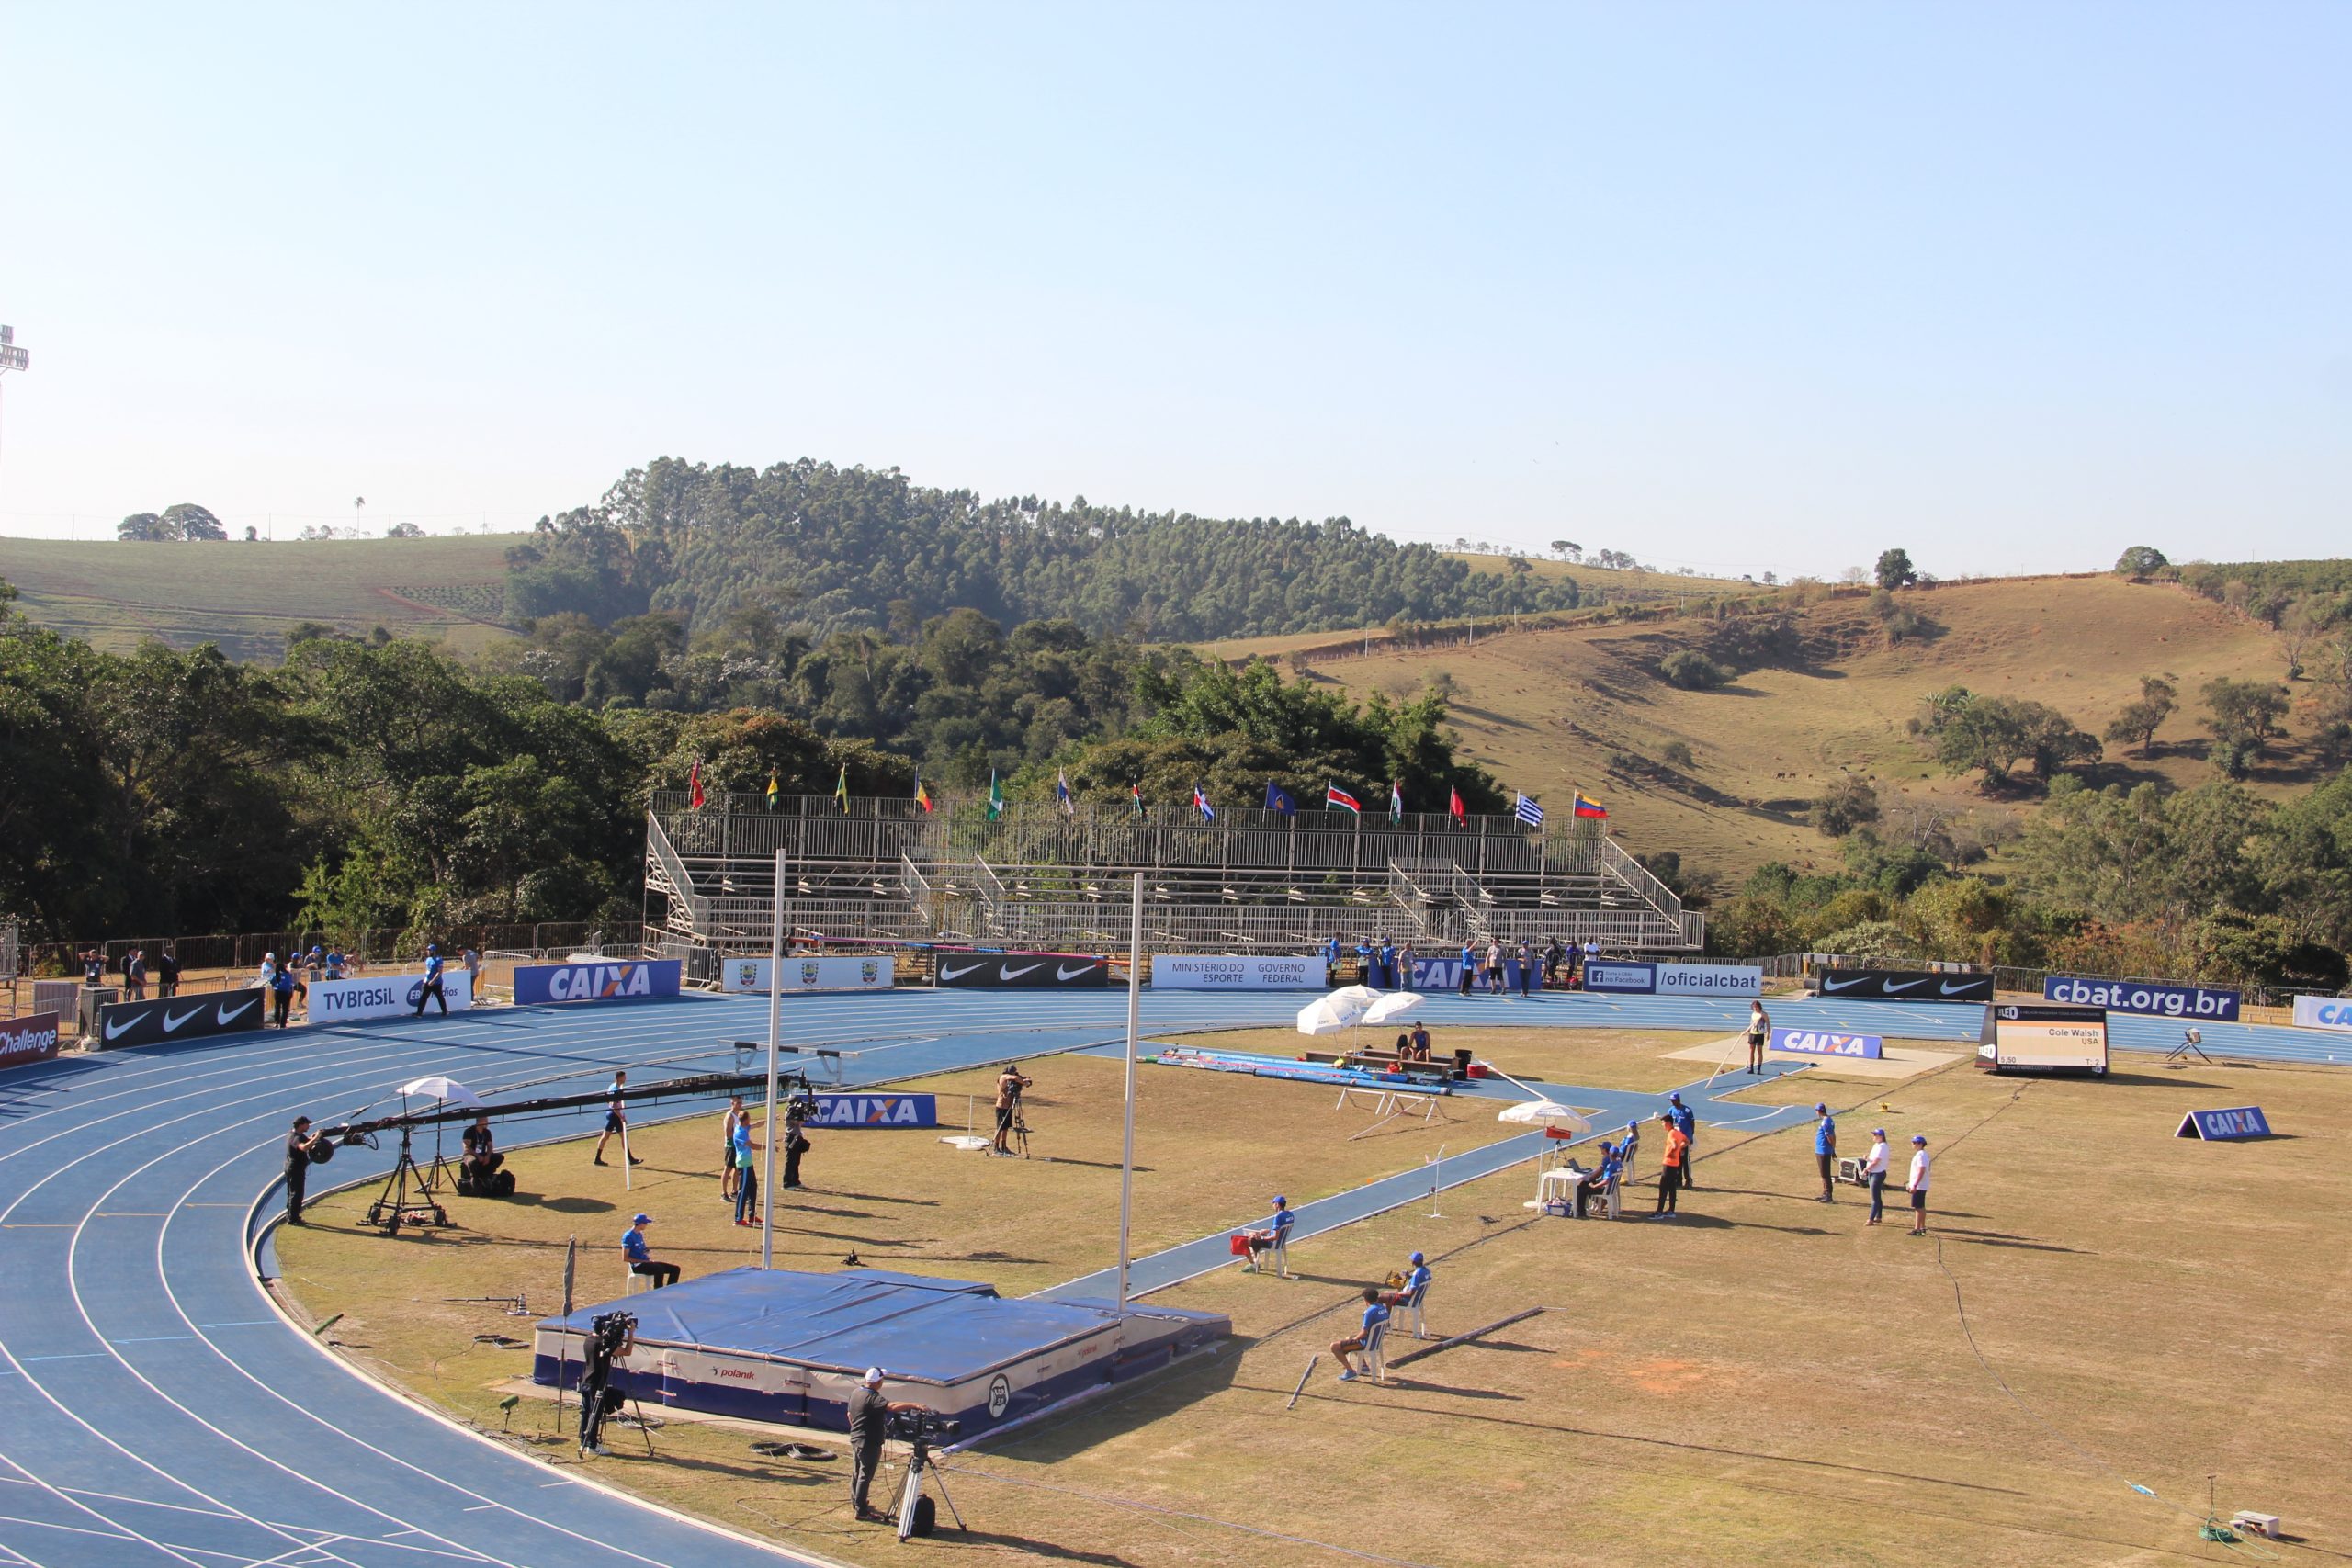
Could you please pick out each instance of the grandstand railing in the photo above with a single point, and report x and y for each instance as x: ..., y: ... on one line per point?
x: 915, y: 888
x: 672, y: 879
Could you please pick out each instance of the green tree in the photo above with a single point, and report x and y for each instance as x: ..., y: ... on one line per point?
x: 2141, y: 560
x: 2242, y: 715
x: 1849, y: 803
x: 1894, y: 570
x: 188, y: 521
x: 1693, y: 671
x: 2143, y: 717
x: 144, y: 527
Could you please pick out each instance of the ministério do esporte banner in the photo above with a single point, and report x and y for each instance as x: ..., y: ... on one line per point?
x: 2143, y: 997
x: 1903, y: 986
x: 854, y: 972
x: 597, y: 980
x: 182, y: 1018
x: 32, y: 1038
x: 384, y: 996
x: 1239, y: 972
x: 1025, y: 971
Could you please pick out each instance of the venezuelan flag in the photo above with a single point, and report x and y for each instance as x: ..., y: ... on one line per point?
x: 1588, y: 807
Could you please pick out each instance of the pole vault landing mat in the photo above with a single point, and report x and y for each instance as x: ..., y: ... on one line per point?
x: 771, y: 1345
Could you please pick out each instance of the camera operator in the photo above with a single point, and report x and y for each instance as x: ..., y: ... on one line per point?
x: 1008, y: 1085
x: 298, y: 1145
x: 869, y: 1419
x: 611, y: 1337
x: 482, y: 1158
x: 795, y: 1143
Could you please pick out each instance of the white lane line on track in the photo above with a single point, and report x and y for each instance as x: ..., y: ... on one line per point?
x: 116, y: 1527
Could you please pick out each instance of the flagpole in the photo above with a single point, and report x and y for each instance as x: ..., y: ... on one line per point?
x: 776, y: 1028
x: 1127, y: 1147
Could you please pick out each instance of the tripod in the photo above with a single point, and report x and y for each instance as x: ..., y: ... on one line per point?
x: 2190, y: 1045
x: 1019, y: 1135
x: 395, y: 1200
x: 911, y: 1493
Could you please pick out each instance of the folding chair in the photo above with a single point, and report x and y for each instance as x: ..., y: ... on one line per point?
x: 1375, y: 1352
x: 1412, y: 1304
x: 1278, y: 1254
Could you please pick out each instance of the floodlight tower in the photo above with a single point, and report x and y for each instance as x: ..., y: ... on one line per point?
x: 11, y: 356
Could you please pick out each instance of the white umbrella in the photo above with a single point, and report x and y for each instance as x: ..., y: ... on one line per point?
x: 1395, y: 1005
x: 1546, y: 1114
x: 1325, y: 1016
x: 446, y: 1090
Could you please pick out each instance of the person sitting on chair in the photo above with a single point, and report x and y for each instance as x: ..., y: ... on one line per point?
x: 1376, y: 1312
x: 641, y: 1259
x: 1274, y: 1234
x: 482, y: 1158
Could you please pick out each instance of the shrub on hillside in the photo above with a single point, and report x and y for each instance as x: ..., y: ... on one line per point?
x: 1692, y: 671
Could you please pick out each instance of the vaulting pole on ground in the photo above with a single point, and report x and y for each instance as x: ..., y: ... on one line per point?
x: 1127, y: 1148
x: 775, y: 1028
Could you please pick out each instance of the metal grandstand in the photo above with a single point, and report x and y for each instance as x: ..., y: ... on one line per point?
x: 1042, y: 878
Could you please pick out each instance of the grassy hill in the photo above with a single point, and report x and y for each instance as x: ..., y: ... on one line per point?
x: 247, y: 596
x: 1582, y: 706
x: 1616, y: 587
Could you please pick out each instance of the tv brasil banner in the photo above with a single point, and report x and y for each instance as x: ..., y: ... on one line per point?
x: 1192, y: 972
x: 1903, y: 986
x: 2324, y: 1012
x: 876, y: 1111
x: 384, y: 996
x: 1025, y: 971
x: 602, y: 981
x: 2142, y: 996
x: 1821, y: 1042
x: 854, y: 973
x: 181, y: 1018
x: 32, y: 1038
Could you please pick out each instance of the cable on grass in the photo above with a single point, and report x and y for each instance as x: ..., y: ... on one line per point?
x: 1154, y: 1508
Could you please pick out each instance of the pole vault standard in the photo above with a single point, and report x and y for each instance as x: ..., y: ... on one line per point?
x: 1127, y: 1147
x: 775, y: 1028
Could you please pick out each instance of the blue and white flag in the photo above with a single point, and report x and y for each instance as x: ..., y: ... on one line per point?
x: 1201, y: 803
x: 1061, y: 793
x: 1529, y: 812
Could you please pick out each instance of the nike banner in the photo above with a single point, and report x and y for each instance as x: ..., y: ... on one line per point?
x: 1903, y: 986
x: 31, y: 1039
x: 601, y: 980
x: 384, y: 996
x: 181, y: 1018
x: 1025, y: 971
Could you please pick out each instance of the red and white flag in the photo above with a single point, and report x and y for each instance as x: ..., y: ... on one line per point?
x: 694, y: 782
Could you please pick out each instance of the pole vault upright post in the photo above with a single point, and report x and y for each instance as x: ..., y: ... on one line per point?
x: 1127, y: 1146
x: 775, y: 1028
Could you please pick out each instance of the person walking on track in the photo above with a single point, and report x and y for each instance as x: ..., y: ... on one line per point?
x: 615, y: 1118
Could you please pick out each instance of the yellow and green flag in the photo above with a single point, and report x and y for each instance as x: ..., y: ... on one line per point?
x: 841, y: 790
x: 996, y: 798
x: 775, y: 791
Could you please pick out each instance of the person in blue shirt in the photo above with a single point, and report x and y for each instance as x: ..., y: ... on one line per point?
x: 1825, y: 1151
x: 430, y: 991
x: 747, y: 1175
x: 1469, y: 966
x: 1610, y: 1169
x: 1364, y: 956
x: 335, y: 964
x: 1627, y: 1147
x: 1388, y: 979
x: 1682, y: 1116
x: 281, y: 992
x: 615, y: 1118
x: 1331, y: 960
x: 641, y: 1259
x: 1273, y: 1236
x: 1376, y: 1311
x: 1416, y: 1279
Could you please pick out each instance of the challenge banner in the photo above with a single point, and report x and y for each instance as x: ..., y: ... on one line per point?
x: 1023, y: 971
x: 30, y: 1039
x: 181, y: 1018
x: 597, y: 981
x: 1904, y: 986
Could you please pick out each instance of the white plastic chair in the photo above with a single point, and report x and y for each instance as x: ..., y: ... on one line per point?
x: 1376, y: 1353
x: 1412, y: 1304
x: 1278, y: 1254
x: 635, y: 1282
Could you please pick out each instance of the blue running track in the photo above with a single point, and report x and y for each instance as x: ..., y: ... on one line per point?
x: 154, y: 1409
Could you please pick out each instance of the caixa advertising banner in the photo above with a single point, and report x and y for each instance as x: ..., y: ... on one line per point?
x: 2324, y: 1012
x: 831, y: 974
x: 181, y: 1018
x: 1025, y: 971
x: 876, y: 1111
x: 29, y: 1039
x: 1821, y: 1042
x: 1196, y: 972
x: 1903, y: 986
x: 2141, y: 996
x: 604, y: 980
x: 384, y: 996
x: 1709, y: 980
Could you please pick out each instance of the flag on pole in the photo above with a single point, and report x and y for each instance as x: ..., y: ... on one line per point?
x: 996, y: 798
x: 776, y: 790
x: 922, y: 795
x: 1588, y: 807
x: 1453, y: 807
x: 1397, y: 800
x: 1134, y: 793
x: 1528, y: 811
x: 694, y: 782
x: 1278, y: 799
x: 1062, y: 796
x: 1337, y: 799
x: 1201, y: 803
x: 841, y: 789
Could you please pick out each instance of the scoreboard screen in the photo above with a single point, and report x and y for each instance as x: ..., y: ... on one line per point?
x: 2042, y: 1037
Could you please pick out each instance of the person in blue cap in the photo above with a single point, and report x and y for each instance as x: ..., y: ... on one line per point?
x: 641, y: 1259
x: 430, y: 991
x: 1273, y: 1236
x: 1825, y: 1151
x: 1682, y: 1116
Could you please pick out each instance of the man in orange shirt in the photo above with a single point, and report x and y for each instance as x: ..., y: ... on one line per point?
x: 1669, y: 1170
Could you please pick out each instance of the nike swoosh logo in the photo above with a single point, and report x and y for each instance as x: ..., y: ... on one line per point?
x: 1950, y: 989
x: 1906, y: 984
x: 171, y: 1023
x: 1065, y: 972
x: 223, y: 1013
x: 1841, y: 985
x: 113, y: 1030
x: 1016, y: 973
x: 948, y: 974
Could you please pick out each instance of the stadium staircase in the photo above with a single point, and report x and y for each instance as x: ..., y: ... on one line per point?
x: 1041, y: 877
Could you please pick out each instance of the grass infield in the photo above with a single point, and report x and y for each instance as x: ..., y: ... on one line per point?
x: 1762, y: 1381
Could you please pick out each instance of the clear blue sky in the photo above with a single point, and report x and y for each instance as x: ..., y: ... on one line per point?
x: 1740, y: 286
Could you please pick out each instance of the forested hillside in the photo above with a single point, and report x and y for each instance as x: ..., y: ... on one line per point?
x: 831, y: 549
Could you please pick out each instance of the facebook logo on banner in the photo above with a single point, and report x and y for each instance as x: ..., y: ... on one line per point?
x: 2135, y: 996
x: 1633, y: 979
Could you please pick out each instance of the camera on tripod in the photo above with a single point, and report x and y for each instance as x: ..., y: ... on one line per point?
x: 921, y: 1427
x: 608, y: 1331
